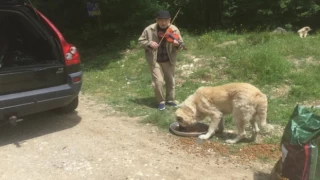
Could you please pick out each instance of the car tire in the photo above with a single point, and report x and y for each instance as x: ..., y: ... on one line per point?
x: 70, y: 107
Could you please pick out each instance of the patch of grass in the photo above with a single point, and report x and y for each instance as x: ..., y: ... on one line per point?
x: 273, y: 139
x: 279, y: 111
x: 304, y: 83
x: 162, y: 119
x: 266, y: 159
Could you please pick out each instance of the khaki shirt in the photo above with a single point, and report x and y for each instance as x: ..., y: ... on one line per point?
x: 150, y: 34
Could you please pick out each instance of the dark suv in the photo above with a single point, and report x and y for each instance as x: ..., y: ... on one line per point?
x: 39, y: 70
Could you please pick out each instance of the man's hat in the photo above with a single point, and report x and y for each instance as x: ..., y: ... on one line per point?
x: 163, y: 15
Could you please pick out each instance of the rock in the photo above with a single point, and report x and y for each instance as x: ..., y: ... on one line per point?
x: 279, y: 30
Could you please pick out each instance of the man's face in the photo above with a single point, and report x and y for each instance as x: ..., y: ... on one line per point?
x: 163, y: 23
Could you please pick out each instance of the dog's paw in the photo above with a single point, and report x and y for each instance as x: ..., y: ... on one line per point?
x: 204, y: 136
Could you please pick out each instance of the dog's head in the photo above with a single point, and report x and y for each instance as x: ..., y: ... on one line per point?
x: 185, y: 116
x: 307, y: 28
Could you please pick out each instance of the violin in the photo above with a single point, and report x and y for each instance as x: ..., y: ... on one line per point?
x: 170, y: 36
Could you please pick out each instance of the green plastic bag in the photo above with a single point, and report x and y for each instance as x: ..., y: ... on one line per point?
x: 300, y: 145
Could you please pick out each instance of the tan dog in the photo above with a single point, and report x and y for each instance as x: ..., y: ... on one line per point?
x: 303, y: 32
x: 244, y: 101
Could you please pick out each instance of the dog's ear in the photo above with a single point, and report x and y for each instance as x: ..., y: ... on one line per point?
x: 179, y: 119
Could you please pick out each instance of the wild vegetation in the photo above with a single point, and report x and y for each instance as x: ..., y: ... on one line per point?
x: 123, y: 17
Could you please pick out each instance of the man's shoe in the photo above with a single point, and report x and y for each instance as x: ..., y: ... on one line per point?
x: 171, y: 103
x: 161, y: 106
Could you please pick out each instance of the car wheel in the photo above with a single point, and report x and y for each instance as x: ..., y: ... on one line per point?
x: 70, y: 107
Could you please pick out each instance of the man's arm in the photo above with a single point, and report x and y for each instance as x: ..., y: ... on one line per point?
x: 144, y: 40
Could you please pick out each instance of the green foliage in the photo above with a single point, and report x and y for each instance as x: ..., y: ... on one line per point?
x: 270, y: 14
x: 125, y: 17
x: 118, y: 18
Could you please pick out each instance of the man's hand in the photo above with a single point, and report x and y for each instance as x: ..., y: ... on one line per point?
x: 176, y: 43
x: 154, y: 45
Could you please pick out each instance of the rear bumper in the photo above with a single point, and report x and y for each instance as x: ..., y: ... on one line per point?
x: 30, y: 102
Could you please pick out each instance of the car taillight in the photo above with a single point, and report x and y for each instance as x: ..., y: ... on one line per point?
x: 76, y: 79
x: 70, y: 52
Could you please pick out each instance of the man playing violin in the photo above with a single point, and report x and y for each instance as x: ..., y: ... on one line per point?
x: 161, y: 54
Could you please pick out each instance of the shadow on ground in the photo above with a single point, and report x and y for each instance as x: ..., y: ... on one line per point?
x: 232, y: 135
x: 147, y: 101
x: 261, y: 176
x: 37, y: 125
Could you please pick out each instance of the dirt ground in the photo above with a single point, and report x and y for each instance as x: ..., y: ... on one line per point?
x: 92, y: 144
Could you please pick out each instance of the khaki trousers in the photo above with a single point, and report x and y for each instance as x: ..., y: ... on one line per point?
x: 163, y: 73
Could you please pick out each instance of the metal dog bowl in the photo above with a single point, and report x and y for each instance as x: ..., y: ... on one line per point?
x: 193, y: 131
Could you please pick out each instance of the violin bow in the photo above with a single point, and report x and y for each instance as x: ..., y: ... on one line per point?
x: 174, y: 18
